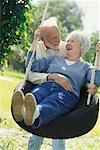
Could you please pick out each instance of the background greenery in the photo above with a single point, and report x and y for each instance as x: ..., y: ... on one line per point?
x: 20, y: 18
x: 13, y: 137
x: 18, y: 21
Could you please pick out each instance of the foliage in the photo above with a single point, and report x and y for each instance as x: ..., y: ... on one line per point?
x: 19, y: 20
x: 6, y: 144
x: 13, y: 24
x: 68, y: 14
x: 90, y: 55
x: 14, y: 138
x: 17, y: 56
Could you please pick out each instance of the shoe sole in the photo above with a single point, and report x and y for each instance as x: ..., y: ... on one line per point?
x: 30, y: 106
x: 17, y: 103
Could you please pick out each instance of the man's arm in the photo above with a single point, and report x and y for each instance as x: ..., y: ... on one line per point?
x: 97, y: 78
x: 37, y: 78
x: 92, y: 87
x: 98, y: 62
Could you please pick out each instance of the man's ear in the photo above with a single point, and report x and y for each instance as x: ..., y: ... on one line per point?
x: 42, y: 34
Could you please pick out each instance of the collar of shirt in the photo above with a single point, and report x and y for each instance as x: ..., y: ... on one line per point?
x: 68, y: 62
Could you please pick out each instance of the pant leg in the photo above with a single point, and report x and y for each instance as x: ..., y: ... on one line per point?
x: 58, y: 144
x: 35, y: 142
x: 58, y: 103
x: 42, y: 91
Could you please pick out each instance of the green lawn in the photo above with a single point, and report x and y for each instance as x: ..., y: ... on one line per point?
x: 7, y: 84
x: 19, y: 138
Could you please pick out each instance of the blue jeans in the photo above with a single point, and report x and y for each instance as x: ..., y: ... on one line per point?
x: 35, y: 143
x: 53, y: 101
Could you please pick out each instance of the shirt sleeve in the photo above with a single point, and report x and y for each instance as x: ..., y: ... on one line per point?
x: 88, y: 72
x: 97, y: 78
x: 37, y: 78
x: 42, y: 64
x: 29, y: 54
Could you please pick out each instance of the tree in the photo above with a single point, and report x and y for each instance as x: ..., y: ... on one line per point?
x: 68, y: 14
x: 19, y: 26
x: 90, y: 55
x: 12, y: 24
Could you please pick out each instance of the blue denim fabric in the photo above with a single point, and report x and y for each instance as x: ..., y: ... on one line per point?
x: 35, y: 143
x: 58, y: 144
x: 54, y: 101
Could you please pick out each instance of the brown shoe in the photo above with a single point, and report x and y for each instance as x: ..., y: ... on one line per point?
x: 17, y: 103
x: 30, y: 106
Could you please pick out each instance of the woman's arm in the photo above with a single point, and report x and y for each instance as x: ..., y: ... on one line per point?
x: 61, y: 80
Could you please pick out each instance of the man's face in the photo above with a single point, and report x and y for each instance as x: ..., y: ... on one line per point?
x: 52, y: 37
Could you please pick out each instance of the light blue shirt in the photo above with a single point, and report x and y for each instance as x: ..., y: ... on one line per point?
x: 78, y: 73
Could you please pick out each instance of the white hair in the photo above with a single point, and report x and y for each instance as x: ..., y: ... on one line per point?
x: 52, y: 21
x: 83, y: 38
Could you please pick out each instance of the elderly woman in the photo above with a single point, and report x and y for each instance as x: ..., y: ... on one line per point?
x: 49, y: 100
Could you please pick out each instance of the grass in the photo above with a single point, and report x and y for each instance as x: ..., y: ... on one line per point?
x: 19, y: 138
x: 7, y: 85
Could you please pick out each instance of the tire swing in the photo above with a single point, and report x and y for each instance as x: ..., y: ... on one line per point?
x: 75, y: 123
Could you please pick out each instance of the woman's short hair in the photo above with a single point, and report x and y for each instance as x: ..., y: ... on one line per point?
x: 85, y: 42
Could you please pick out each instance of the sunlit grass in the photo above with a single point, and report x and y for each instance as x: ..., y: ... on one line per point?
x: 7, y: 85
x: 11, y: 73
x: 91, y: 140
x: 7, y: 143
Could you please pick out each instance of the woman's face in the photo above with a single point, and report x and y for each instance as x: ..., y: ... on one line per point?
x: 73, y: 46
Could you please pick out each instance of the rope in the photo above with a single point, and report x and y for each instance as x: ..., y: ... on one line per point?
x: 93, y: 73
x: 36, y: 42
x: 92, y: 77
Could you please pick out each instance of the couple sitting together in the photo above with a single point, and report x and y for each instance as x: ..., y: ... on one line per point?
x: 58, y: 73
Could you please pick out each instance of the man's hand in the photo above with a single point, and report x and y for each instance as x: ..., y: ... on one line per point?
x: 36, y: 37
x: 37, y: 33
x: 92, y: 88
x: 64, y: 82
x: 98, y: 47
x: 98, y: 59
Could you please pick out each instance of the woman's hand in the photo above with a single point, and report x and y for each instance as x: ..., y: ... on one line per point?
x: 59, y: 79
x: 92, y: 89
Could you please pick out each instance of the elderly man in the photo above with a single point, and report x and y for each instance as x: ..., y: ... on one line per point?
x: 74, y: 48
x: 51, y: 38
x: 49, y: 44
